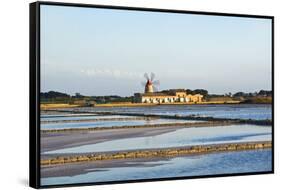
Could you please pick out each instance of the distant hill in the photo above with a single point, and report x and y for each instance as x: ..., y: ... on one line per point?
x: 53, y: 94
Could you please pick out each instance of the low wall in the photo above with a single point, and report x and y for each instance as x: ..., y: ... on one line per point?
x: 187, y: 124
x: 167, y: 152
x: 99, y: 119
x: 189, y: 117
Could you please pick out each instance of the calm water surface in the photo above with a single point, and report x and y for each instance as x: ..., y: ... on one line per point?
x: 180, y: 137
x: 242, y: 111
x: 80, y: 117
x: 208, y: 164
x: 97, y: 124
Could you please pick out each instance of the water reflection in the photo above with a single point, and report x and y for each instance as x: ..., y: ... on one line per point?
x: 180, y: 137
x: 79, y: 117
x: 208, y: 164
x: 96, y: 124
x: 242, y: 111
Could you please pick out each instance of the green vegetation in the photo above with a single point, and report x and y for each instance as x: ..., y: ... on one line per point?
x: 53, y: 97
x: 258, y: 100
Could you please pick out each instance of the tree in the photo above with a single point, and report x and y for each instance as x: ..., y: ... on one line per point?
x: 200, y: 91
x: 188, y: 91
x: 265, y: 93
x: 239, y: 94
x: 53, y: 94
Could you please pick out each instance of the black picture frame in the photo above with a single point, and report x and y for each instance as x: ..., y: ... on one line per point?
x: 34, y: 99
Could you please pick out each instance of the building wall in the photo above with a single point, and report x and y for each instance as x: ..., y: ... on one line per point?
x: 179, y: 97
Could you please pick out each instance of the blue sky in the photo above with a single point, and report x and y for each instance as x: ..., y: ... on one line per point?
x: 105, y: 52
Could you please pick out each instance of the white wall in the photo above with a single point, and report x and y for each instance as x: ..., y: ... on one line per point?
x: 14, y: 93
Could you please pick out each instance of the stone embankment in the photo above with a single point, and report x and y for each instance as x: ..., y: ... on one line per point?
x: 99, y: 119
x: 186, y: 124
x: 188, y: 117
x: 166, y: 152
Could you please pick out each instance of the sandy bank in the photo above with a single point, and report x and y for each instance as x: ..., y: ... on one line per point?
x: 66, y: 139
x: 54, y: 106
x: 85, y: 167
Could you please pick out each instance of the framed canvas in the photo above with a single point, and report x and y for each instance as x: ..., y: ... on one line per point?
x: 126, y: 94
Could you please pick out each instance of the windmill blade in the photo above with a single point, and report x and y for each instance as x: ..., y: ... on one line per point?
x: 146, y: 76
x: 152, y: 76
x: 155, y: 89
x: 157, y: 82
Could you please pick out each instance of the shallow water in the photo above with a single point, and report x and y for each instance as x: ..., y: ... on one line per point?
x: 180, y: 137
x: 79, y: 117
x: 208, y: 164
x: 97, y: 124
x: 47, y: 114
x: 241, y: 111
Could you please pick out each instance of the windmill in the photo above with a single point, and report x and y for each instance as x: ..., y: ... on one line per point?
x: 150, y: 84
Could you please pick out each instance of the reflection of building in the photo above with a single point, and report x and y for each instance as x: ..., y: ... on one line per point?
x: 169, y: 96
